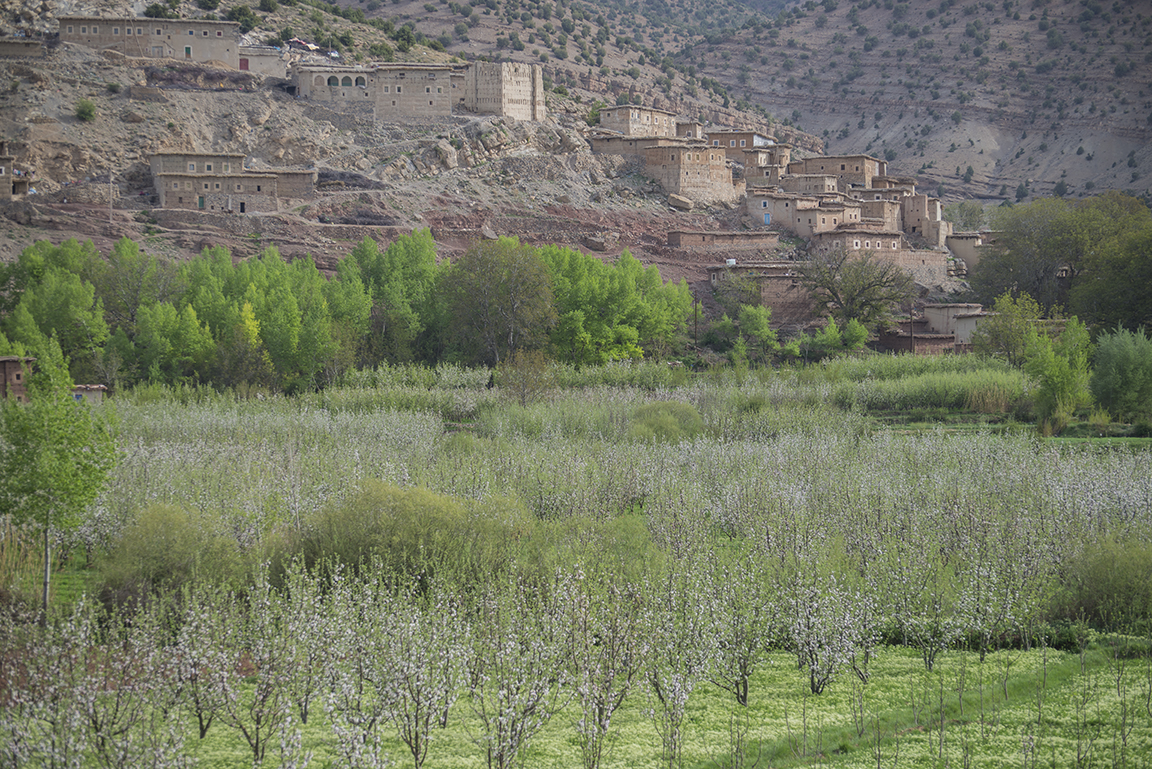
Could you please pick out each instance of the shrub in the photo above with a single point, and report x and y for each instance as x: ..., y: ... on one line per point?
x: 167, y: 547
x: 114, y: 88
x: 85, y: 110
x: 1122, y: 379
x: 1108, y: 583
x: 414, y: 533
x: 269, y: 6
x: 208, y: 5
x: 665, y: 421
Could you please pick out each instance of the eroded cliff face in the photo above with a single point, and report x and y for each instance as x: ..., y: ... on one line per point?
x: 28, y: 16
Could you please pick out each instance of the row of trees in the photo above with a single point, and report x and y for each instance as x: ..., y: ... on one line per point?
x: 387, y: 658
x: 263, y: 321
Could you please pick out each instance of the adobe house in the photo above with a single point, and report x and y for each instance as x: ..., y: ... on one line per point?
x: 849, y: 170
x: 912, y: 335
x: 759, y: 239
x: 196, y: 40
x: 958, y: 319
x: 967, y: 246
x: 735, y: 142
x: 89, y: 393
x: 392, y: 90
x: 408, y: 90
x: 219, y: 182
x: 801, y: 214
x: 691, y: 129
x: 780, y: 287
x: 263, y: 60
x: 12, y: 377
x: 690, y: 168
x: 633, y: 120
x: 14, y: 183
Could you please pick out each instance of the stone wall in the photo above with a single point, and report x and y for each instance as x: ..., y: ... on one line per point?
x: 632, y: 120
x: 21, y: 47
x: 753, y: 239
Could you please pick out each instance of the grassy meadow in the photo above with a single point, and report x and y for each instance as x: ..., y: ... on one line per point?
x: 961, y: 594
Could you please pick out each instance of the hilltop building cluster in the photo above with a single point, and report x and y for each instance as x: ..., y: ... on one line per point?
x: 844, y: 203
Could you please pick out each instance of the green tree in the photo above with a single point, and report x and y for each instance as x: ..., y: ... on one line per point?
x: 1044, y: 247
x: 1060, y: 369
x: 1106, y: 292
x: 400, y: 281
x: 755, y: 321
x: 55, y: 455
x: 857, y: 287
x: 1005, y: 332
x: 1122, y: 376
x: 500, y: 298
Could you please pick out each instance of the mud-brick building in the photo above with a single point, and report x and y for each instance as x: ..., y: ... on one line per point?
x: 190, y: 39
x: 691, y: 169
x: 780, y: 286
x: 407, y: 90
x: 14, y: 183
x: 735, y: 142
x: 804, y: 215
x: 849, y: 170
x: 633, y: 120
x: 221, y: 183
x: 392, y: 90
x: 12, y: 377
x: 511, y: 89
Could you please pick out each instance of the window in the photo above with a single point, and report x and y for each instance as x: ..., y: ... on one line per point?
x: 69, y: 29
x: 83, y: 30
x: 239, y: 187
x: 841, y: 167
x: 715, y: 142
x: 139, y: 30
x: 191, y: 166
x: 346, y: 80
x: 205, y: 33
x: 191, y: 32
x: 867, y: 244
x: 207, y: 166
x: 895, y: 245
x: 360, y: 81
x: 743, y: 143
x: 333, y: 80
x: 227, y: 167
x: 95, y: 30
x: 205, y: 185
x: 175, y: 185
x: 428, y: 89
x: 187, y: 52
x: 439, y: 90
x: 386, y: 88
x: 731, y: 142
x: 115, y: 30
x: 217, y: 185
x: 257, y: 187
x: 397, y: 91
x: 159, y: 32
x: 219, y: 33
x: 763, y: 203
x: 855, y: 244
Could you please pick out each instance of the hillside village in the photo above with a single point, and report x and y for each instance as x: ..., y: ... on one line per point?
x: 773, y: 189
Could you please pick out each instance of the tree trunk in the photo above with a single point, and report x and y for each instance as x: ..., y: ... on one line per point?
x: 47, y: 576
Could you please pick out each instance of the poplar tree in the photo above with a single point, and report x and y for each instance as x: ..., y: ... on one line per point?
x: 55, y: 455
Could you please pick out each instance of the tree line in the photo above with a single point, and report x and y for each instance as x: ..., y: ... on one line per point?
x: 133, y: 317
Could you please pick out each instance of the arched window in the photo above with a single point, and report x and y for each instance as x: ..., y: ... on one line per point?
x: 333, y: 80
x: 346, y: 81
x: 360, y: 81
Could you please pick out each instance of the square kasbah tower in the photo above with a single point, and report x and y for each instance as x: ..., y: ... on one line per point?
x: 514, y: 89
